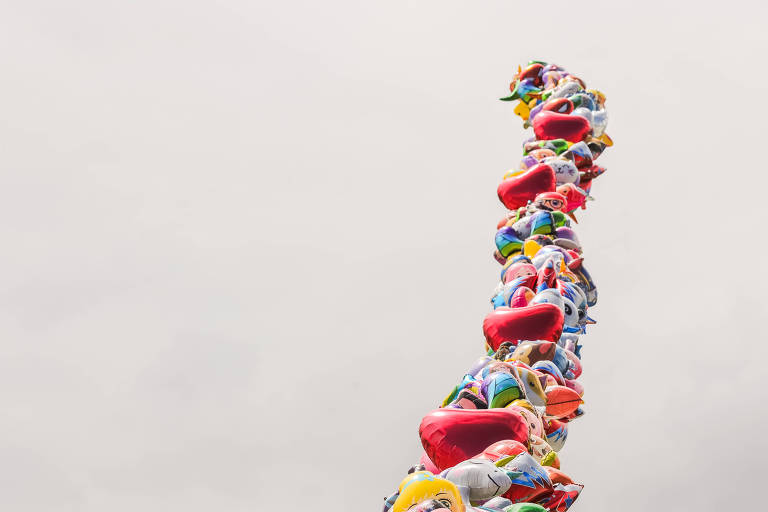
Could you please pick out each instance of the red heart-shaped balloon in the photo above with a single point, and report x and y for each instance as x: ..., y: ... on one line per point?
x: 517, y: 191
x: 450, y: 436
x: 552, y: 125
x: 537, y: 322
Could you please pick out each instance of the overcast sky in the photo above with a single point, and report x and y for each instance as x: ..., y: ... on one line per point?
x: 246, y: 246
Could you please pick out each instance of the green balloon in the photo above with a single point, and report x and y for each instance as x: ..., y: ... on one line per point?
x: 525, y: 507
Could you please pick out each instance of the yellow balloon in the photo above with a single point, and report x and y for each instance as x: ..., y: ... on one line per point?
x: 522, y: 110
x: 424, y: 486
x: 605, y: 139
x: 530, y: 248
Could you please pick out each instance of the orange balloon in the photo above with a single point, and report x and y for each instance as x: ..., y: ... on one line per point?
x: 557, y: 476
x: 561, y: 401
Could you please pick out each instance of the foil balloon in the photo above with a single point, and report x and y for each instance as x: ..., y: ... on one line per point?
x: 562, y: 401
x: 556, y: 432
x: 525, y: 507
x: 553, y: 125
x: 424, y: 487
x: 500, y: 389
x: 495, y: 442
x: 478, y: 479
x: 537, y: 322
x: 516, y: 192
x: 557, y: 476
x: 529, y: 480
x: 562, y: 497
x: 450, y: 436
x: 504, y: 449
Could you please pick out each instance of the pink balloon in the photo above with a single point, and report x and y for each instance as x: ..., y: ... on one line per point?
x: 428, y: 464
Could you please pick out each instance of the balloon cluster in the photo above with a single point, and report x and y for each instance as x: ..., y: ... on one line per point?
x: 493, y: 443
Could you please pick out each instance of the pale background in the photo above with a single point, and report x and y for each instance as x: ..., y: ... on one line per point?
x: 246, y: 246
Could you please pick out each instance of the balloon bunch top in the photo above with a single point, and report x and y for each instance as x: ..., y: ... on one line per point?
x: 493, y: 443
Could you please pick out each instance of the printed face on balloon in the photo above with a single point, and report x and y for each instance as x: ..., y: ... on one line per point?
x: 424, y: 491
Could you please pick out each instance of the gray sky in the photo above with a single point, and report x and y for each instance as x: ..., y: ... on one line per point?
x: 246, y: 246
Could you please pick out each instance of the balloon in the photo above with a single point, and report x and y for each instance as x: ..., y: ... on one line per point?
x: 524, y: 89
x: 533, y: 383
x: 551, y: 125
x: 557, y: 476
x: 503, y: 449
x: 497, y: 504
x: 517, y: 269
x: 530, y: 415
x: 561, y: 401
x: 516, y: 192
x: 423, y: 486
x: 565, y: 170
x: 558, y: 146
x: 538, y: 322
x: 425, y: 461
x: 525, y: 507
x: 562, y: 497
x: 565, y: 89
x: 540, y: 449
x: 575, y: 385
x: 574, y: 365
x: 540, y: 154
x: 532, y: 352
x: 556, y: 433
x: 500, y: 389
x: 478, y: 479
x: 479, y: 365
x: 507, y: 241
x: 539, y: 222
x: 529, y: 479
x: 467, y: 399
x: 575, y: 197
x: 550, y: 458
x: 559, y: 105
x: 550, y: 201
x: 581, y: 100
x: 566, y: 238
x: 549, y: 368
x: 450, y: 436
x: 580, y: 154
x: 532, y: 71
